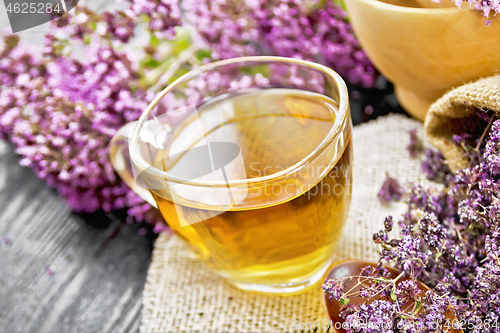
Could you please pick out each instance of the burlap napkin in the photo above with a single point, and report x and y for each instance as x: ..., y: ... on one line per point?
x: 182, y: 295
x: 455, y: 113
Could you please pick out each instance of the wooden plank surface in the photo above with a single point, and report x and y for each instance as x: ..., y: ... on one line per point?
x: 58, y: 273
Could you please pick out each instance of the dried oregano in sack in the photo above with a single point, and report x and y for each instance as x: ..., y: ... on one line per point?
x: 465, y: 110
x: 449, y: 237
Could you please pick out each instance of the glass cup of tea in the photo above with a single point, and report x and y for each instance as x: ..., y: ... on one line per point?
x: 249, y: 160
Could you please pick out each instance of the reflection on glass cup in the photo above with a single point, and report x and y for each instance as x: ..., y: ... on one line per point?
x: 249, y: 161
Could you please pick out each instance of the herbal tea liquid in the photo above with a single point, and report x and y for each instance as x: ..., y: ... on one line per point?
x: 294, y: 239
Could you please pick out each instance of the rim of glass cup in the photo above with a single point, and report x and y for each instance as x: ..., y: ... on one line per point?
x: 343, y: 104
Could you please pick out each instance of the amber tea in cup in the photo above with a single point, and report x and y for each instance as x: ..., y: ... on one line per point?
x: 251, y: 168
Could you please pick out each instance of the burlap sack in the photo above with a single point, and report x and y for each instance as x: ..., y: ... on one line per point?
x: 456, y: 112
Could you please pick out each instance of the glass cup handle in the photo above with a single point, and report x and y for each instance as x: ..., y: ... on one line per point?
x: 120, y: 159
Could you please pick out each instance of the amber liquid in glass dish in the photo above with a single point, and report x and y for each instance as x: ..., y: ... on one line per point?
x: 288, y: 241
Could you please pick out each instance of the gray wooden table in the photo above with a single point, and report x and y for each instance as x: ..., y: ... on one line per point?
x: 58, y: 272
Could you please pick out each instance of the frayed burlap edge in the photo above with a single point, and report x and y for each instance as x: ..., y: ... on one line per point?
x: 452, y: 114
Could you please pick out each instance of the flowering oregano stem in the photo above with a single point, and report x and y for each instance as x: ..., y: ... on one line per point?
x: 486, y: 130
x: 173, y: 67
